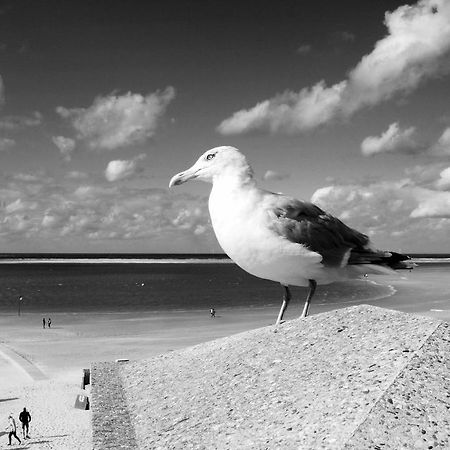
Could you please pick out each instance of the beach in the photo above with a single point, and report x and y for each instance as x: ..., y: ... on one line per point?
x: 41, y: 369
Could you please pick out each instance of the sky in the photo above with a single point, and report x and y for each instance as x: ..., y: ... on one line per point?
x: 103, y: 101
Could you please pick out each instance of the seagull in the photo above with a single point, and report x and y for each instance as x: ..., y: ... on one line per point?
x: 280, y: 238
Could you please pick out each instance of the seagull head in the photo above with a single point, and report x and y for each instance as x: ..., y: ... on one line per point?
x: 216, y: 163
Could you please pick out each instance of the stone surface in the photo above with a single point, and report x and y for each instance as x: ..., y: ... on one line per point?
x: 111, y: 423
x: 353, y: 378
x: 415, y: 409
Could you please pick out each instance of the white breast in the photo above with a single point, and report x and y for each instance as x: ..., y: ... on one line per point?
x: 242, y: 226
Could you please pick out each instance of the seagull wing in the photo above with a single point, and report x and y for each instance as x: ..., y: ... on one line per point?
x: 305, y: 223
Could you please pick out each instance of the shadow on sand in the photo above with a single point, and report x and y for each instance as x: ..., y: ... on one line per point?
x: 8, y: 399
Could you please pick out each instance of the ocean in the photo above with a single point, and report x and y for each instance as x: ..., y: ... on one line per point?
x: 124, y: 283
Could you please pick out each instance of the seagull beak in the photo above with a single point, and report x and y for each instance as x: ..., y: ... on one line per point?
x: 182, y: 177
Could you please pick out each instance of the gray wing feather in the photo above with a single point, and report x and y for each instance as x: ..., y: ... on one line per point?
x: 305, y: 223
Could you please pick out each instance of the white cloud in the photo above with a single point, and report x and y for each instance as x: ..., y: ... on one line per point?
x: 442, y: 146
x: 304, y: 49
x: 443, y: 183
x: 394, y: 139
x: 76, y: 175
x: 289, y: 112
x: 346, y: 36
x: 65, y: 145
x: 120, y: 169
x: 6, y: 144
x: 424, y: 175
x: 49, y: 221
x: 434, y: 205
x: 368, y: 207
x: 118, y: 121
x: 20, y: 205
x: 275, y: 176
x: 29, y: 177
x: 415, y: 49
x: 191, y: 219
x: 394, y: 214
x: 39, y: 210
x: 86, y: 192
x: 13, y: 123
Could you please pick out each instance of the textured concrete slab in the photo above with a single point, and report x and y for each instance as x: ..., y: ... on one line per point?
x: 353, y: 378
x: 110, y: 417
x: 414, y: 410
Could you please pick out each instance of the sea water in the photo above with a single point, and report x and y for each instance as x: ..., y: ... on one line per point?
x: 76, y: 283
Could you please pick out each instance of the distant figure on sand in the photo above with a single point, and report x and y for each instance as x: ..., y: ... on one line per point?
x: 25, y: 418
x: 49, y: 322
x: 212, y: 311
x: 11, y: 429
x: 43, y: 322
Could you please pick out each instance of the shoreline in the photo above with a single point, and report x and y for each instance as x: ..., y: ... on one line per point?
x: 79, y: 337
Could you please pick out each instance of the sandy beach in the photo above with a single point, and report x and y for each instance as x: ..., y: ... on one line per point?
x: 41, y: 369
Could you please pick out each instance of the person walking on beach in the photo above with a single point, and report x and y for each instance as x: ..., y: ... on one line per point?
x: 25, y: 418
x: 49, y: 322
x: 43, y: 322
x: 212, y: 311
x: 12, y: 429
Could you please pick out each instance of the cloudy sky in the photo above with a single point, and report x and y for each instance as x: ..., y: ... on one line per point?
x: 346, y: 103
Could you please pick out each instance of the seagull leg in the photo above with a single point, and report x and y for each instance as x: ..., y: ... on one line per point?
x: 312, y: 289
x: 286, y: 300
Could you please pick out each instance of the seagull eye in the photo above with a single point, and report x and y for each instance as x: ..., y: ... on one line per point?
x: 210, y: 156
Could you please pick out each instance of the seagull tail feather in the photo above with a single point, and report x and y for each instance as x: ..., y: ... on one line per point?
x: 389, y: 260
